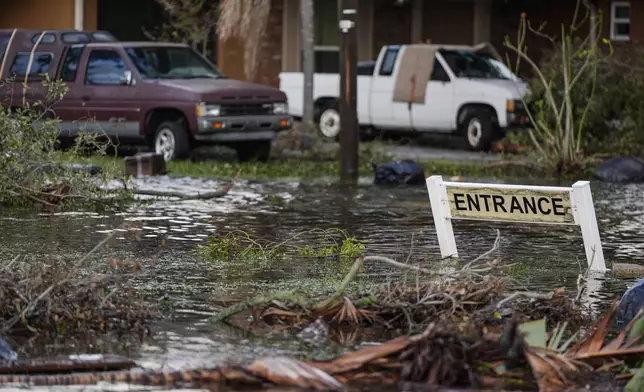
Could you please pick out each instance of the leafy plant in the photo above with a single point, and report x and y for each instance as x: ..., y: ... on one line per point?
x: 32, y: 169
x: 559, y: 123
x: 238, y: 244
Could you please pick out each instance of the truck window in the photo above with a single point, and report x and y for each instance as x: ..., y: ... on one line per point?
x: 39, y: 65
x: 100, y: 36
x: 48, y: 38
x: 170, y: 62
x: 469, y: 64
x: 438, y: 73
x: 74, y: 38
x: 389, y: 61
x: 70, y: 64
x: 104, y: 67
x: 4, y: 41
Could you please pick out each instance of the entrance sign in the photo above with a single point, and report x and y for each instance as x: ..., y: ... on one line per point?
x: 571, y: 206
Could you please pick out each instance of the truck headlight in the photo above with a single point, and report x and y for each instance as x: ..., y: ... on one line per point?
x: 280, y: 108
x: 205, y: 109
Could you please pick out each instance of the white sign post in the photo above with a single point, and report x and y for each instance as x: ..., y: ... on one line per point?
x: 515, y: 203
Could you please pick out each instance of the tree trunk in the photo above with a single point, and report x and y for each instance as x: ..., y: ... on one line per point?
x: 308, y: 66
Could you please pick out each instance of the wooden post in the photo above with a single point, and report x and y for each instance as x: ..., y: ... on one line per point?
x: 348, y: 10
x: 308, y: 61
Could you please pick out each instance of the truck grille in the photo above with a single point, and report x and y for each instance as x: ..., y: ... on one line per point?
x: 246, y: 109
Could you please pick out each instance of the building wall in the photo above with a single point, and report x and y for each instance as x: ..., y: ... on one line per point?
x: 391, y: 24
x: 449, y: 22
x: 37, y: 14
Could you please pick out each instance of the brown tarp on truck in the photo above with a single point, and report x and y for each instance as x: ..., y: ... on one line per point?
x: 417, y: 63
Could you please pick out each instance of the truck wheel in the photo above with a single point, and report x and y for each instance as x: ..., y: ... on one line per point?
x: 479, y: 129
x: 329, y: 121
x: 249, y: 151
x: 171, y: 141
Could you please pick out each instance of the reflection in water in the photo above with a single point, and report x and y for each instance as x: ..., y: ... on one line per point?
x: 163, y: 234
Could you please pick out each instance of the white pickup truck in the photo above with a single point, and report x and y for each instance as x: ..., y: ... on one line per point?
x: 467, y: 91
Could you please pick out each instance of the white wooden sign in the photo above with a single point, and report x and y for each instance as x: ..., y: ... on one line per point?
x: 515, y: 203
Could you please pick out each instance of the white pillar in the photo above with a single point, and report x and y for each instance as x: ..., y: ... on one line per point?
x: 442, y: 216
x: 79, y: 14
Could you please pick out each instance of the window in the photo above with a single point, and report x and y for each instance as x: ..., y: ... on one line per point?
x: 327, y: 36
x: 74, y: 38
x: 48, y: 38
x: 366, y: 68
x: 620, y: 21
x: 438, y: 73
x: 169, y: 62
x: 468, y: 64
x: 100, y: 36
x: 104, y: 67
x: 39, y: 65
x: 4, y: 41
x: 71, y: 62
x: 389, y: 61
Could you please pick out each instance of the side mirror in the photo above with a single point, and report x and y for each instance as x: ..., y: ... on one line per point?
x: 127, y: 78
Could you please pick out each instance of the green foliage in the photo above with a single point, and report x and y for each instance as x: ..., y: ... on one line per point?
x: 188, y: 21
x: 33, y: 170
x: 614, y: 120
x: 237, y: 244
x: 560, y: 123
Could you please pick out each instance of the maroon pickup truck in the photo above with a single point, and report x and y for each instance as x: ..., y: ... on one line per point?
x: 164, y: 95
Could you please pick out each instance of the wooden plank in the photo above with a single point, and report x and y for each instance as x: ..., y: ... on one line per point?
x: 72, y: 363
x: 511, y: 205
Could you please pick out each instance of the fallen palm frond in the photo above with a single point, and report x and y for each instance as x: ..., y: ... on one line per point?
x: 439, y: 356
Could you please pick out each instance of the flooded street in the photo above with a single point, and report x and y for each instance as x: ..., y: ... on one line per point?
x: 163, y: 237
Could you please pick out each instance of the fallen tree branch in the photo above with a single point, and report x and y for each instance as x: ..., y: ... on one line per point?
x: 399, y: 264
x: 183, y: 196
x: 343, y: 286
x: 527, y: 294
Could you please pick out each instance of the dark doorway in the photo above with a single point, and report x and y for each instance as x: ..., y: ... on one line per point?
x: 127, y: 19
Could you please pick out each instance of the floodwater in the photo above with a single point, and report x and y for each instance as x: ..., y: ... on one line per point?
x: 394, y: 221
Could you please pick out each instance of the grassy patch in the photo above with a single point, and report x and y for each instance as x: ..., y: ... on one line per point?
x: 303, y: 168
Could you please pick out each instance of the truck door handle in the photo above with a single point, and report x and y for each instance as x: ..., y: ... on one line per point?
x: 85, y: 97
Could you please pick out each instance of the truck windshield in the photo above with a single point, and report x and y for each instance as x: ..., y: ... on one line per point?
x: 468, y: 64
x: 167, y: 62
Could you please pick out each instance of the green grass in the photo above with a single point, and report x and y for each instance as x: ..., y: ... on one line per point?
x: 306, y: 168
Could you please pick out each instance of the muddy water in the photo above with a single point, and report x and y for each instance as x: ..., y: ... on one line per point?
x: 388, y: 218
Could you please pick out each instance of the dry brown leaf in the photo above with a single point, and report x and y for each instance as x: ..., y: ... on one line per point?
x: 357, y: 359
x: 596, y: 340
x: 617, y: 342
x: 286, y: 371
x: 547, y: 379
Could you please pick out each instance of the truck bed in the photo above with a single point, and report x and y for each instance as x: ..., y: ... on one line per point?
x: 325, y: 85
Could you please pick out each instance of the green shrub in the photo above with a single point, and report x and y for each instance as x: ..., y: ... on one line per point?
x: 33, y: 170
x: 614, y: 121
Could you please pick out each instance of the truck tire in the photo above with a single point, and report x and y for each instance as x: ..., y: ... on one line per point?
x: 171, y: 140
x: 479, y: 129
x: 329, y: 120
x: 249, y: 151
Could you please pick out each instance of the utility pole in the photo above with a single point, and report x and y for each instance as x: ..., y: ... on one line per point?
x: 308, y: 61
x: 347, y: 10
